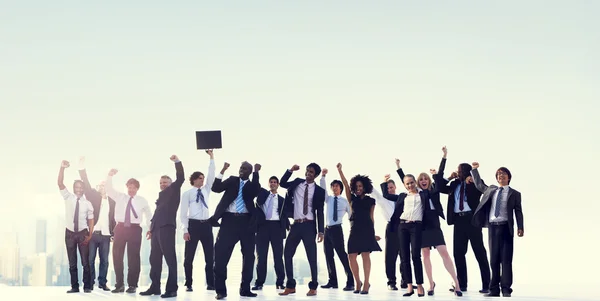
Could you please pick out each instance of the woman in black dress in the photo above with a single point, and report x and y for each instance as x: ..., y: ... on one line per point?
x: 362, y: 239
x: 432, y: 235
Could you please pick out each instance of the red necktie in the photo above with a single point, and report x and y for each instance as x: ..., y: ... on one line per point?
x: 461, y: 204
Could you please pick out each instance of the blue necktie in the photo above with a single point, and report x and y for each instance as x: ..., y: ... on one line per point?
x: 128, y: 210
x: 498, y: 200
x: 200, y: 197
x: 239, y: 201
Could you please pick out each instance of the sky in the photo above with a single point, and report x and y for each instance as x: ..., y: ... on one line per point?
x: 127, y: 84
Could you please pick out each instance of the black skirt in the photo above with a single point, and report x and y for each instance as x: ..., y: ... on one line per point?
x: 432, y: 232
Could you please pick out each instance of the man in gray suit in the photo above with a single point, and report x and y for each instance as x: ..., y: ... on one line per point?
x: 495, y: 212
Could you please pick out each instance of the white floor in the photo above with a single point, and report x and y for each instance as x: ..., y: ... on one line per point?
x: 269, y: 293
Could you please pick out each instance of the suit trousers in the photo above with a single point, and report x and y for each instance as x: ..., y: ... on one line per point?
x: 162, y: 244
x: 200, y: 231
x: 269, y: 232
x: 501, y: 256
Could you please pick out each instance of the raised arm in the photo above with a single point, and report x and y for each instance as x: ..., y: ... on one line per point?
x: 384, y: 190
x: 284, y: 181
x: 256, y: 176
x: 210, y: 178
x: 61, y: 174
x: 441, y: 183
x: 111, y: 192
x: 179, y: 173
x: 477, y: 178
x: 345, y: 182
x: 219, y: 185
x: 323, y: 181
x: 399, y: 170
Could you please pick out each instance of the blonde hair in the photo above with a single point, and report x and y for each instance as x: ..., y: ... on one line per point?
x: 426, y: 176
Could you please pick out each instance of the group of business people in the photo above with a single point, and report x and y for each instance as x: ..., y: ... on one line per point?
x: 257, y: 217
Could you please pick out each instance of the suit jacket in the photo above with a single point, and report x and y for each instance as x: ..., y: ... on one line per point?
x: 318, y: 199
x: 231, y: 187
x: 434, y: 192
x: 168, y: 202
x: 261, y: 199
x: 95, y: 198
x: 473, y: 194
x: 481, y: 217
x: 424, y: 194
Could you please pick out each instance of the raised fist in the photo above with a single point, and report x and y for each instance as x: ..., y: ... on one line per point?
x: 387, y: 177
x: 112, y: 172
x: 225, y: 165
x: 339, y: 166
x: 209, y: 152
x: 174, y: 158
x: 257, y: 167
x: 65, y: 164
x: 324, y: 172
x: 432, y: 171
x: 475, y: 164
x: 397, y: 162
x: 445, y: 150
x: 295, y: 167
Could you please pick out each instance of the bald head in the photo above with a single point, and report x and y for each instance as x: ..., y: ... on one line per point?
x: 245, y: 170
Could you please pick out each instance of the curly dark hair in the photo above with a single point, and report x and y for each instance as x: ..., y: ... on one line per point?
x: 366, y: 182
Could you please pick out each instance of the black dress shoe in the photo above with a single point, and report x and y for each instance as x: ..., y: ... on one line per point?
x: 392, y: 287
x: 348, y: 288
x: 247, y: 294
x: 257, y: 288
x: 280, y: 287
x: 329, y: 285
x: 104, y: 287
x: 492, y: 294
x: 220, y: 296
x: 211, y: 288
x: 189, y: 288
x: 73, y: 290
x: 169, y: 295
x: 119, y: 290
x: 150, y: 292
x: 87, y: 290
x: 131, y: 290
x: 485, y: 291
x: 507, y: 294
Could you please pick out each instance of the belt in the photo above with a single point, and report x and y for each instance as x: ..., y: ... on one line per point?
x: 463, y: 213
x: 336, y: 225
x: 237, y: 214
x: 98, y: 232
x: 409, y: 222
x: 498, y: 223
x: 198, y: 220
x: 302, y: 220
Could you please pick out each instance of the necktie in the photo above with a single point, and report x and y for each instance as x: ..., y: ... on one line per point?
x: 239, y: 201
x: 461, y: 204
x: 335, y: 208
x: 200, y: 197
x: 498, y: 202
x: 270, y: 206
x: 76, y: 217
x: 305, y: 205
x: 128, y: 212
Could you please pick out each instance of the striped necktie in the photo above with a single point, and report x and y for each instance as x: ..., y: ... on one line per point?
x: 239, y: 201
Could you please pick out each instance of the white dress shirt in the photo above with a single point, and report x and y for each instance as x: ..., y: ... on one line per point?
x: 272, y: 203
x: 466, y: 207
x: 103, y: 223
x: 387, y: 206
x: 342, y: 208
x: 139, y: 204
x: 192, y: 210
x: 413, y: 208
x: 503, y: 217
x: 299, y: 200
x: 86, y: 211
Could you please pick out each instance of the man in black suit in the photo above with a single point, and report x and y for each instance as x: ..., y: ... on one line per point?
x: 162, y: 233
x: 495, y: 212
x: 239, y: 215
x: 104, y: 211
x: 272, y: 225
x: 304, y: 203
x: 463, y: 199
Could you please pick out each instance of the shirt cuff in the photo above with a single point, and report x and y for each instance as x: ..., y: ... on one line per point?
x: 185, y: 230
x: 219, y: 176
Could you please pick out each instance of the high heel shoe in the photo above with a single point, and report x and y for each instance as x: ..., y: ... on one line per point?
x: 365, y: 291
x: 458, y: 293
x: 358, y: 287
x: 408, y: 294
x: 421, y: 287
x: 431, y: 292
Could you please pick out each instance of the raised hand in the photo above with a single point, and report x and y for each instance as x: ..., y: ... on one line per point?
x: 210, y: 153
x: 174, y: 158
x: 339, y: 166
x: 65, y: 164
x: 433, y: 171
x: 82, y: 161
x: 387, y: 177
x: 257, y: 167
x: 453, y: 175
x: 398, y: 163
x: 225, y: 166
x: 324, y: 172
x: 295, y: 167
x: 475, y: 165
x: 445, y: 151
x: 469, y: 180
x: 112, y: 172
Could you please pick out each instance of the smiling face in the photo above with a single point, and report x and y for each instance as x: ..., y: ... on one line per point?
x: 410, y: 183
x: 391, y: 188
x: 336, y: 188
x: 503, y: 176
x: 101, y: 189
x: 273, y: 184
x: 424, y: 181
x: 78, y: 188
x: 164, y: 182
x: 310, y: 174
x: 245, y: 170
x: 360, y: 188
